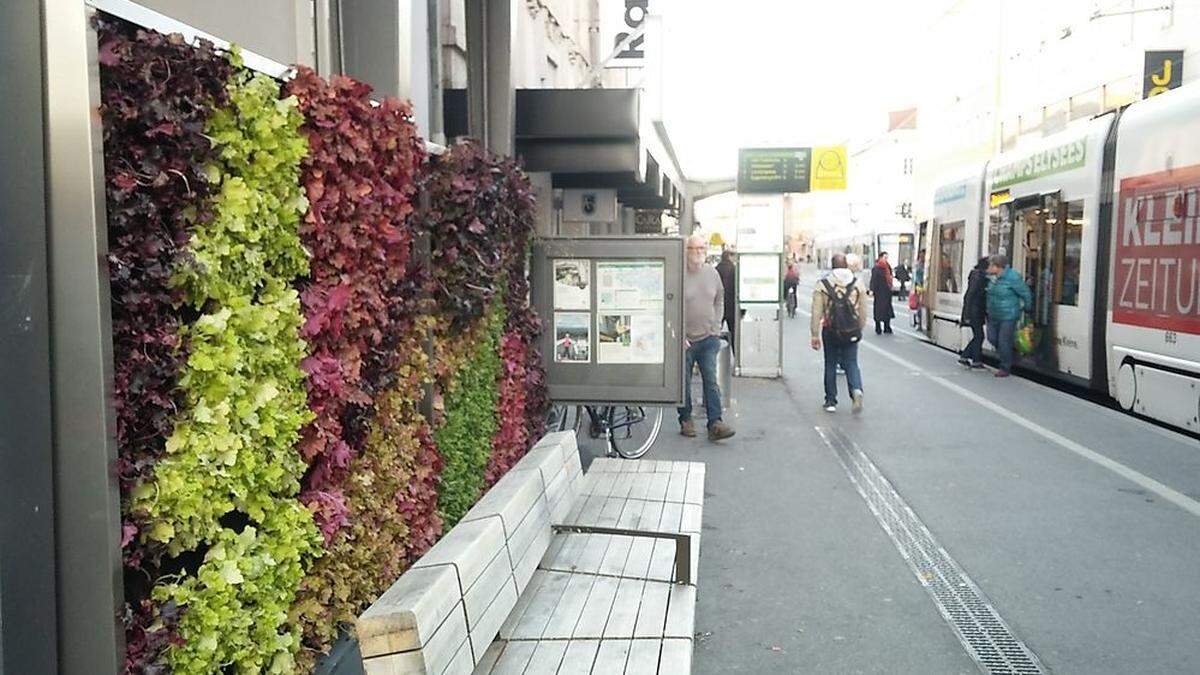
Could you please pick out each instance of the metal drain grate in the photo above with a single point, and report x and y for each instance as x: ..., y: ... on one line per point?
x: 985, y: 636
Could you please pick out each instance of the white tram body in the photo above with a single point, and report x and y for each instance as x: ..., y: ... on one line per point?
x: 1103, y: 223
x: 1154, y: 304
x: 897, y: 242
x: 956, y: 245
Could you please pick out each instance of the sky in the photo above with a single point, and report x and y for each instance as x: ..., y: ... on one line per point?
x: 784, y: 72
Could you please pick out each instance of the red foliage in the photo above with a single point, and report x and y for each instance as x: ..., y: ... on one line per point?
x: 480, y: 219
x: 359, y: 179
x: 512, y: 440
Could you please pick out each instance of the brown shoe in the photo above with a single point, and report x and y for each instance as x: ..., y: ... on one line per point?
x: 688, y: 428
x: 719, y: 431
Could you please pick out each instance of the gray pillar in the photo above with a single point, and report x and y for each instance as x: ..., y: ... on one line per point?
x: 436, y: 122
x: 543, y: 191
x: 87, y: 497
x: 687, y: 216
x: 28, y: 632
x: 491, y: 99
x: 374, y: 46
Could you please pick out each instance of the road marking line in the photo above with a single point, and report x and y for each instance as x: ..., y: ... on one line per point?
x: 1174, y: 496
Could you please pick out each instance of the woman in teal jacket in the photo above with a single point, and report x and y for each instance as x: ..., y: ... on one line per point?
x: 1007, y: 297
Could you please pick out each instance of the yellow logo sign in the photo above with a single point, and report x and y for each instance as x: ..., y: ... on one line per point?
x: 829, y: 167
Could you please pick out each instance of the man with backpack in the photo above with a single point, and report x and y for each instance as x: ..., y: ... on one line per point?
x: 839, y: 312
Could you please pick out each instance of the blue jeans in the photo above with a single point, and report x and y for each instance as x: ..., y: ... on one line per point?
x: 845, y: 355
x: 973, y: 352
x: 703, y: 352
x: 1001, y: 334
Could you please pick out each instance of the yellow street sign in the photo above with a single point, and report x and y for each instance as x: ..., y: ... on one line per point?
x: 829, y: 167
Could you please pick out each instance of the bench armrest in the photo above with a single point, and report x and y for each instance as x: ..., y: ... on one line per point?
x: 683, y: 544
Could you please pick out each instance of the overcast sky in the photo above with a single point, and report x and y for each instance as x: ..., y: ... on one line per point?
x: 784, y: 72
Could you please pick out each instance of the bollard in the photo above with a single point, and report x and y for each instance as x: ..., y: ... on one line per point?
x: 725, y: 372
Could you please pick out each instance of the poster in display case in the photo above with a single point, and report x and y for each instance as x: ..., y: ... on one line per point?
x: 758, y: 278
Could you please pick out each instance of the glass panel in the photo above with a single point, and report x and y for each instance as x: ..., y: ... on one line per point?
x: 1038, y: 226
x: 1000, y: 230
x: 904, y: 249
x: 1072, y: 254
x: 950, y: 256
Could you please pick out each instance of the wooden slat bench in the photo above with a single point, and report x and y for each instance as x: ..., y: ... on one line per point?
x: 553, y: 572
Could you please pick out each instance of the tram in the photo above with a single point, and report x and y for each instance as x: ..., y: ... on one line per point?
x: 898, y: 243
x: 1103, y: 222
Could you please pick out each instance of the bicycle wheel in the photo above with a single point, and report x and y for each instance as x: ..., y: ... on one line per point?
x: 634, y: 429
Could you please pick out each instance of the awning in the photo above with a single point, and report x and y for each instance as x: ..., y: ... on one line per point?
x: 585, y: 138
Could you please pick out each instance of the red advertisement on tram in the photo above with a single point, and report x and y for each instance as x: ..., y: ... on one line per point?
x: 1156, y: 270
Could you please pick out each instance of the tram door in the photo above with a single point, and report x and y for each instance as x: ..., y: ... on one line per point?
x: 921, y: 257
x: 1029, y: 232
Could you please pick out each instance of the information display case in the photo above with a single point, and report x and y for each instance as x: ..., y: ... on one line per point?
x: 612, y: 317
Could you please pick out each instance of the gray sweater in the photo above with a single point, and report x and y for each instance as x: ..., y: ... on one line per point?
x: 703, y: 303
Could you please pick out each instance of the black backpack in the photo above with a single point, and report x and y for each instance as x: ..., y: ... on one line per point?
x: 841, y: 316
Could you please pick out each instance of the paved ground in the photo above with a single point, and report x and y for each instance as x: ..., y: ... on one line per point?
x: 1072, y: 518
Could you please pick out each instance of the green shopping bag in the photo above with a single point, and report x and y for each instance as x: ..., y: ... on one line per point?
x: 1027, y: 337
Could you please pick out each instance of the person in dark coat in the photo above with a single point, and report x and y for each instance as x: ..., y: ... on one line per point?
x: 903, y: 276
x: 881, y: 288
x: 974, y: 314
x: 727, y: 269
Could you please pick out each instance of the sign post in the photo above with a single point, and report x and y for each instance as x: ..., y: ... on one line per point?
x: 764, y: 175
x: 760, y: 263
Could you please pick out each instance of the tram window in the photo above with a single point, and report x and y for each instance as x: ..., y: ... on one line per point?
x: 1000, y: 231
x: 1072, y: 253
x: 950, y: 255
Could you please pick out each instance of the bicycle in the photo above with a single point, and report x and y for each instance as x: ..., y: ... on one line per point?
x: 619, y: 425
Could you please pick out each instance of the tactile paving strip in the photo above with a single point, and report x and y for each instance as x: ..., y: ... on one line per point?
x: 979, y: 627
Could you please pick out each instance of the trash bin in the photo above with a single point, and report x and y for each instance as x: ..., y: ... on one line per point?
x: 725, y: 371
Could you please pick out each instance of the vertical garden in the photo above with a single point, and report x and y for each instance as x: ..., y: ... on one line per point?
x: 276, y: 322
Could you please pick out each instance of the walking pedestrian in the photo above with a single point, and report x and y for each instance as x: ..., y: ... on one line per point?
x: 791, y: 283
x: 727, y: 269
x: 839, y: 313
x: 1007, y: 298
x: 903, y: 276
x: 974, y: 314
x: 703, y: 309
x: 919, y: 289
x: 881, y: 289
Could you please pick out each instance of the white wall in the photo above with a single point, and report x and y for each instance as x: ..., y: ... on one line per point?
x: 281, y: 30
x: 1016, y: 56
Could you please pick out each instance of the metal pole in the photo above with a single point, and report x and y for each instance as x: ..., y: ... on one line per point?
x: 477, y: 68
x: 437, y: 132
x: 87, y: 497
